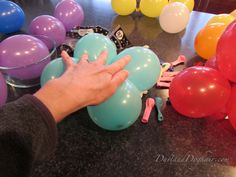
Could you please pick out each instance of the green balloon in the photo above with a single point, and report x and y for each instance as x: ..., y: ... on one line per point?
x: 120, y: 111
x: 144, y: 68
x: 53, y: 70
x: 94, y: 44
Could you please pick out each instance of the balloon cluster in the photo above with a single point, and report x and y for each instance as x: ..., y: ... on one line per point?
x: 173, y: 15
x: 207, y: 38
x: 23, y: 57
x: 124, y: 107
x: 209, y: 90
x: 67, y: 15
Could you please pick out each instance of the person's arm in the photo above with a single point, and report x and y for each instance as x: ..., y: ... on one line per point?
x: 27, y: 133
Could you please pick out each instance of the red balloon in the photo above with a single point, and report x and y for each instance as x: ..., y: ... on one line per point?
x: 226, y: 52
x: 219, y: 115
x: 199, y: 92
x: 231, y: 107
x: 211, y: 63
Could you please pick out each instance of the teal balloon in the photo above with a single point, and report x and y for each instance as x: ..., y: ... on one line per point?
x: 120, y: 111
x: 53, y: 70
x: 144, y: 68
x: 94, y: 44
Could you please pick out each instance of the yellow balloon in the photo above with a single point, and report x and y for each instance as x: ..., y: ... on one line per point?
x: 188, y: 3
x: 123, y: 7
x: 152, y: 8
x: 222, y: 18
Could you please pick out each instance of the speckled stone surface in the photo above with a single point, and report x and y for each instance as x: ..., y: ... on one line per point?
x: 177, y: 147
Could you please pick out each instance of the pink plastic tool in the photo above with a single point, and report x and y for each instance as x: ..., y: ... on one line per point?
x: 181, y: 59
x: 166, y: 79
x: 163, y: 84
x: 150, y: 103
x: 170, y: 74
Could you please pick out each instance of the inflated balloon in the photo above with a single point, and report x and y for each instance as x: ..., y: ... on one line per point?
x: 231, y: 107
x: 123, y: 7
x: 25, y: 55
x: 152, y: 8
x: 222, y: 114
x: 226, y: 53
x: 3, y: 90
x: 12, y: 17
x: 233, y: 13
x: 211, y: 63
x: 49, y: 26
x: 174, y: 17
x: 188, y: 3
x: 53, y: 70
x: 120, y: 111
x: 70, y: 13
x: 144, y: 68
x: 199, y: 92
x: 207, y: 39
x: 222, y: 18
x: 94, y: 44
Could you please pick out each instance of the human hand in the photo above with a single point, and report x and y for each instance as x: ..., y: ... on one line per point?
x: 82, y: 84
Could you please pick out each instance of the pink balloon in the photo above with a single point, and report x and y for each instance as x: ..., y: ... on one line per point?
x: 49, y: 26
x: 3, y: 90
x: 23, y: 50
x: 70, y: 13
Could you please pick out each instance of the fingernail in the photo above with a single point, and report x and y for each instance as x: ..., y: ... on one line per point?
x: 104, y: 52
x: 62, y: 52
x: 126, y: 72
x: 128, y: 57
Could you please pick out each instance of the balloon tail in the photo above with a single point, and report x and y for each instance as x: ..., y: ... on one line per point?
x: 159, y: 104
x: 137, y: 9
x: 180, y: 60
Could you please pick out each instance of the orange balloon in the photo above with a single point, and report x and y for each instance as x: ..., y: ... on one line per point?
x: 207, y: 39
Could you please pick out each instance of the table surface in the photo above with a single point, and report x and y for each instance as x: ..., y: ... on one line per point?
x: 178, y: 146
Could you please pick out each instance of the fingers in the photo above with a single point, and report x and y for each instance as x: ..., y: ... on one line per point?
x: 102, y: 57
x: 119, y: 65
x: 66, y: 59
x: 84, y: 58
x: 119, y: 78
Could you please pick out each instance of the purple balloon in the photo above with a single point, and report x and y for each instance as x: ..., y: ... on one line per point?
x: 70, y: 13
x: 3, y: 90
x: 49, y: 26
x: 23, y: 57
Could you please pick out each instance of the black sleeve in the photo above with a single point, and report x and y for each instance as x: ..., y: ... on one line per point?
x: 27, y: 134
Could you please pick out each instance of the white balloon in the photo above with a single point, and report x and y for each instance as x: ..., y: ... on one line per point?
x: 174, y: 17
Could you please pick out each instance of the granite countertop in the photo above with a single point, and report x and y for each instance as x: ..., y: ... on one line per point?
x: 177, y: 147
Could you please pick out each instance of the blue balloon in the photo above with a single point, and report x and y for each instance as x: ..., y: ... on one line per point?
x: 53, y: 70
x: 120, y: 111
x: 12, y: 17
x: 144, y: 68
x: 94, y: 44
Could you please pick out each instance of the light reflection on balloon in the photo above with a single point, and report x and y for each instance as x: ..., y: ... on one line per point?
x: 120, y: 111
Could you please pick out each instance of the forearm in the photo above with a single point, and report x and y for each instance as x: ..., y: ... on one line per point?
x: 59, y: 99
x: 27, y: 134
